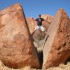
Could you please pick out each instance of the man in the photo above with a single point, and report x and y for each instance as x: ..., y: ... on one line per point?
x: 39, y: 23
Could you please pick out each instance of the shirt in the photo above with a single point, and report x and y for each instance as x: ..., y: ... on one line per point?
x: 39, y: 21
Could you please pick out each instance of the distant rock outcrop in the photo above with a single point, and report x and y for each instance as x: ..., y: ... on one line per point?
x: 46, y: 25
x: 31, y: 24
x: 57, y: 46
x: 16, y: 47
x: 47, y: 18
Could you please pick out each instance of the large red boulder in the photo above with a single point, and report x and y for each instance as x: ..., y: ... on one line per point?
x: 16, y: 46
x: 57, y: 46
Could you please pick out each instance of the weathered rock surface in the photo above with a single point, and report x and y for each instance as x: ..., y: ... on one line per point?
x: 57, y: 46
x: 16, y: 47
x: 38, y: 36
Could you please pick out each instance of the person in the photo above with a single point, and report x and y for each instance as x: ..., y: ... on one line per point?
x: 39, y: 23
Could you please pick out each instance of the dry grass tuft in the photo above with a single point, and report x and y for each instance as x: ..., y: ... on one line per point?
x: 60, y: 67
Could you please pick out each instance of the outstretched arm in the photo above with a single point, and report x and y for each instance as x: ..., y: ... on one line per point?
x: 42, y: 19
x: 33, y: 19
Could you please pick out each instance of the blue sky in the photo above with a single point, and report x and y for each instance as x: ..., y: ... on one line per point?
x: 33, y: 8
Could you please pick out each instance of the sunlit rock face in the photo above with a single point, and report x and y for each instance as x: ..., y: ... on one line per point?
x: 57, y: 46
x: 16, y: 47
